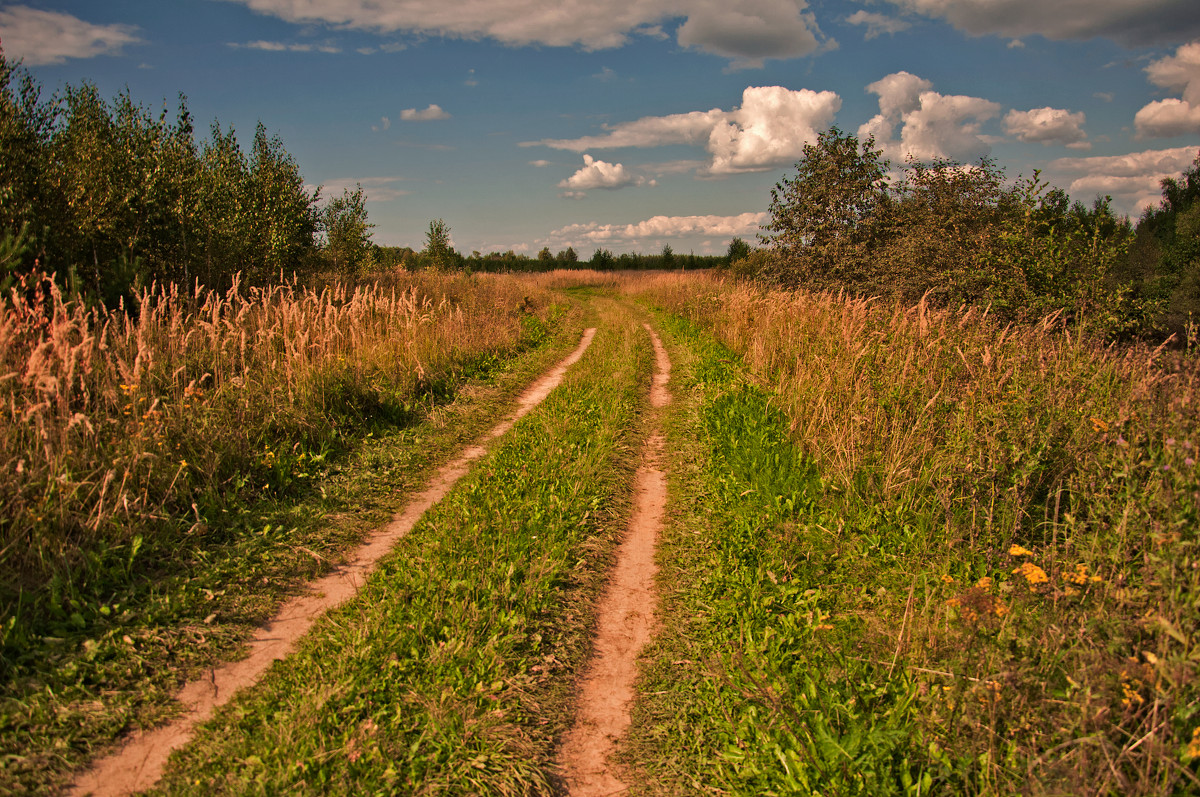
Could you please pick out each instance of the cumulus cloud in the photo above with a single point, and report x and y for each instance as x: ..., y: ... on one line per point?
x: 1049, y: 126
x: 1132, y: 180
x: 384, y: 124
x: 769, y: 129
x: 1129, y: 22
x: 430, y: 114
x: 1173, y: 116
x: 659, y: 227
x: 754, y: 30
x: 932, y: 125
x: 877, y: 24
x: 49, y: 37
x: 599, y: 174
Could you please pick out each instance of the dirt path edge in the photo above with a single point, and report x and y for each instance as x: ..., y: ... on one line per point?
x: 625, y: 621
x: 140, y: 762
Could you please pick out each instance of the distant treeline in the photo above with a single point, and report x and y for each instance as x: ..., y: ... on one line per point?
x: 545, y: 260
x: 960, y: 234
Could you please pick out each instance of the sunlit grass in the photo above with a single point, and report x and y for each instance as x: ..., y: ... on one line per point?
x: 1006, y: 530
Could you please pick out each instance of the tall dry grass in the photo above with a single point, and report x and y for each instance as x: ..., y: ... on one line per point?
x: 1013, y: 512
x: 117, y: 425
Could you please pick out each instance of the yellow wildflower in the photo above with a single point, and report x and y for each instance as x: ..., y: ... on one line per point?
x: 1193, y: 748
x: 1099, y: 425
x: 984, y: 583
x: 1018, y: 550
x: 947, y: 579
x: 1032, y: 573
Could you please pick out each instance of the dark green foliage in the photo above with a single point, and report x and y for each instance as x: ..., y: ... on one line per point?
x: 602, y: 260
x: 738, y: 250
x: 438, y: 252
x: 1164, y: 258
x: 824, y: 221
x: 123, y: 196
x: 953, y: 233
x: 347, y: 232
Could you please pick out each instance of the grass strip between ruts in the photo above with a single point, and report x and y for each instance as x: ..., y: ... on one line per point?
x: 748, y: 689
x: 453, y: 670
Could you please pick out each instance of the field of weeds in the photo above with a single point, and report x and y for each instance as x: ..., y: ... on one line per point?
x: 171, y: 470
x: 906, y: 550
x: 975, y: 557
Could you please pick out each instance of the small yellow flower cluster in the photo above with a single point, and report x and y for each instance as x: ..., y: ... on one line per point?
x: 984, y: 583
x: 1132, y: 696
x: 1018, y: 550
x: 1032, y: 573
x: 1081, y: 577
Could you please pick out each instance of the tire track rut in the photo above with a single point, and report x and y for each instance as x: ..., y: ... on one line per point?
x: 625, y: 620
x: 140, y: 763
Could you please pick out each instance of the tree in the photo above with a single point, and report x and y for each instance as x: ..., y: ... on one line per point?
x: 438, y: 252
x: 602, y: 260
x: 824, y: 221
x: 347, y: 231
x: 567, y: 257
x: 738, y: 250
x: 668, y: 256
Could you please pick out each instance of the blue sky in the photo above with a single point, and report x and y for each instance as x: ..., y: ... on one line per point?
x: 630, y: 124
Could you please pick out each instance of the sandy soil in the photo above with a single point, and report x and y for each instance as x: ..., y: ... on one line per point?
x: 140, y: 762
x: 625, y: 622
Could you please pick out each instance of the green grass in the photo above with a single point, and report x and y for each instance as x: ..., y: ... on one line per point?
x: 958, y: 556
x: 453, y: 670
x: 93, y: 661
x: 749, y: 688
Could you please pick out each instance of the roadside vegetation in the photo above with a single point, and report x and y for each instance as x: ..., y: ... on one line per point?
x: 962, y: 234
x: 453, y: 670
x: 934, y: 482
x: 931, y: 553
x: 170, y: 475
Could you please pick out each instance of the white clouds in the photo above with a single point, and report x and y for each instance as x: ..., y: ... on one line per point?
x: 754, y: 30
x: 1166, y: 118
x: 1132, y: 180
x: 280, y: 47
x: 599, y: 174
x: 1130, y: 22
x: 48, y: 37
x: 384, y: 124
x: 659, y: 227
x: 430, y: 114
x: 649, y: 131
x: 540, y: 163
x: 1049, y: 126
x: 1173, y: 117
x: 768, y: 130
x: 877, y: 24
x: 932, y: 125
